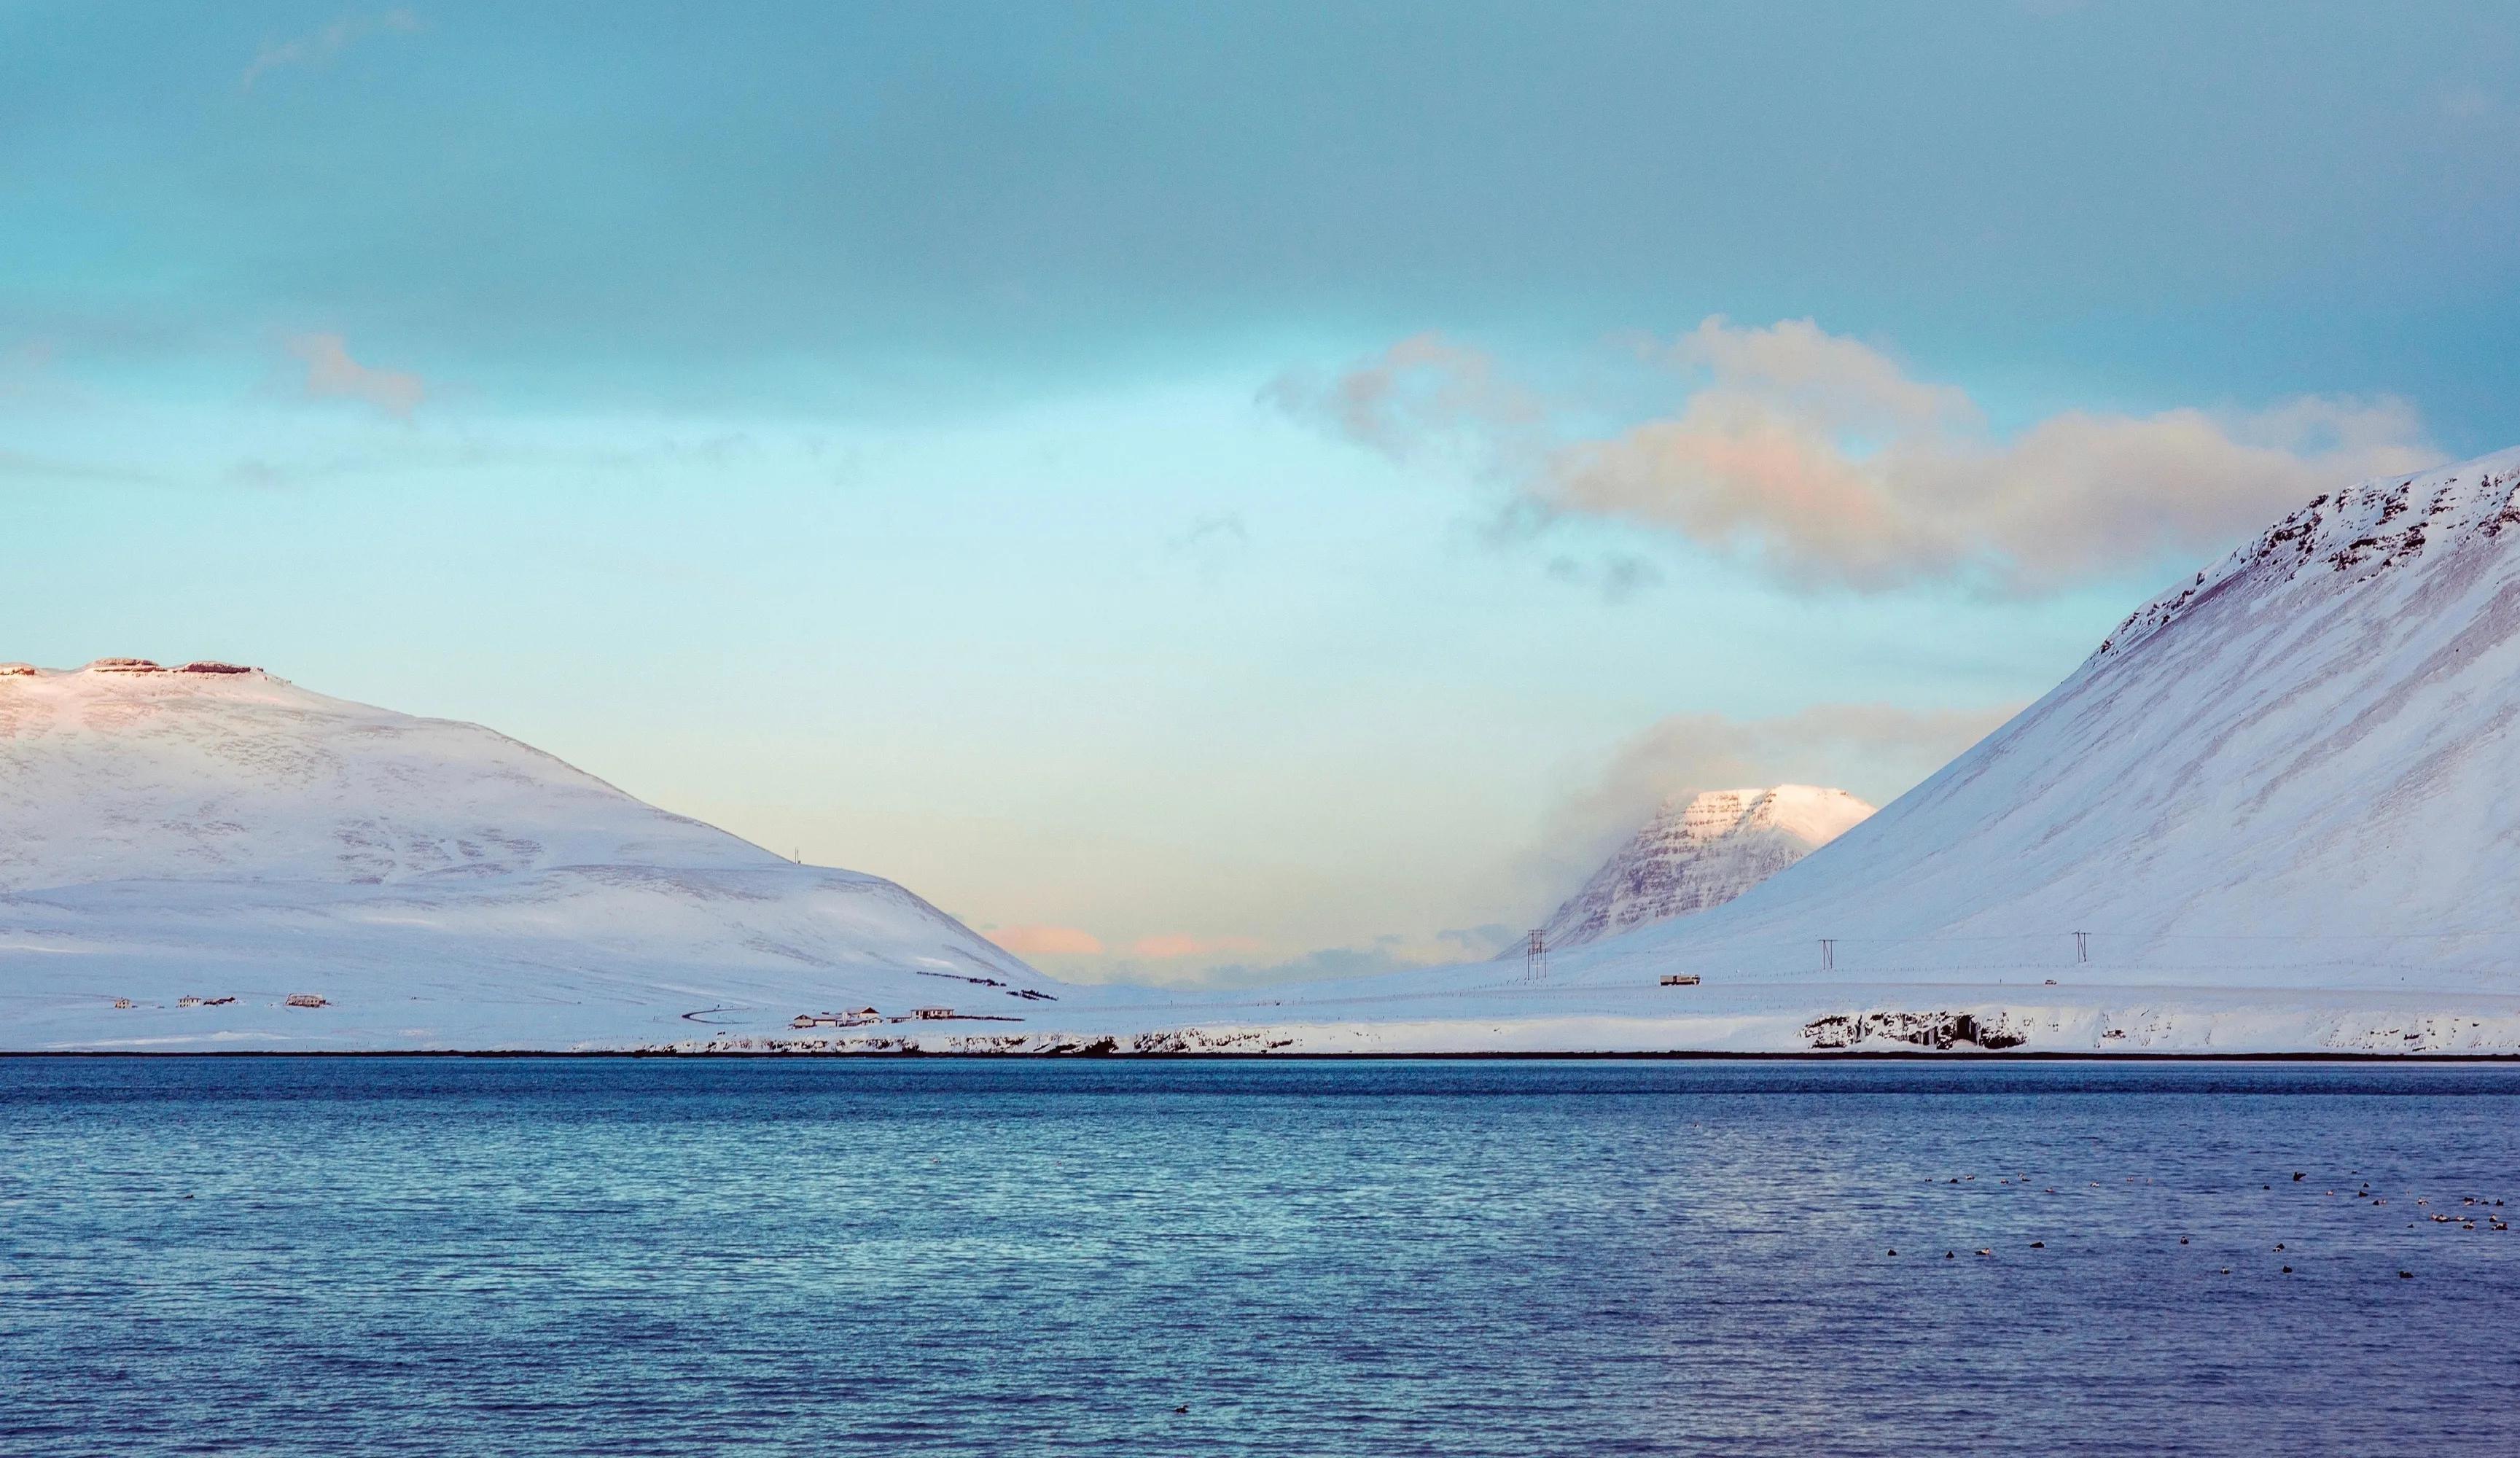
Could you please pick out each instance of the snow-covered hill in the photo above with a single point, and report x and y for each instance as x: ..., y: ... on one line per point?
x: 211, y: 832
x: 1698, y: 853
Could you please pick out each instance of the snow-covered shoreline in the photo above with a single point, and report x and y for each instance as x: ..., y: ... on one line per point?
x: 1954, y: 1019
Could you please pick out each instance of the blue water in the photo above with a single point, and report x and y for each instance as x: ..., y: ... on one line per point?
x: 531, y: 1256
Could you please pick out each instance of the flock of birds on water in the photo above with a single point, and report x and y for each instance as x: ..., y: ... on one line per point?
x: 2471, y: 1210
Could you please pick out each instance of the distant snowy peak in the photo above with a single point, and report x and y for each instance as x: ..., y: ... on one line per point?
x: 2355, y: 535
x: 1700, y: 852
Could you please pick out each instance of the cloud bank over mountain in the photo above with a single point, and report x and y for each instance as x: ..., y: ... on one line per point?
x: 1825, y: 463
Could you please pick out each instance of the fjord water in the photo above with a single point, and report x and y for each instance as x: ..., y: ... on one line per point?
x: 444, y: 1255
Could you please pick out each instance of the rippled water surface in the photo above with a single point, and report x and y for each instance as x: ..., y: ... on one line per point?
x: 443, y: 1256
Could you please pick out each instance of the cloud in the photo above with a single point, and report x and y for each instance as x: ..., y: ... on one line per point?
x: 1873, y: 750
x: 1419, y: 389
x: 24, y: 371
x: 257, y: 475
x: 1179, y: 945
x: 2469, y: 103
x: 17, y: 464
x: 332, y: 374
x: 1046, y: 941
x: 321, y: 47
x: 1798, y: 365
x: 1824, y: 463
x: 1620, y: 575
x: 1220, y: 526
x: 1394, y: 952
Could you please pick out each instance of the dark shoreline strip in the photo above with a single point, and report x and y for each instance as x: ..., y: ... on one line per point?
x: 1224, y: 1056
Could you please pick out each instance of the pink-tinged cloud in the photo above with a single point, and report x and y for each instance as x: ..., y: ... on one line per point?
x: 1823, y: 461
x: 1418, y: 388
x: 332, y: 374
x: 1179, y: 945
x: 1046, y: 941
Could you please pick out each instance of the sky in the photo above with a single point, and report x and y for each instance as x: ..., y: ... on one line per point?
x: 1217, y: 492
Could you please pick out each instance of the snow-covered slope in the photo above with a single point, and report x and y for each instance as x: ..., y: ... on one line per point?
x: 1698, y: 853
x: 2297, y: 768
x: 2280, y: 804
x: 209, y: 831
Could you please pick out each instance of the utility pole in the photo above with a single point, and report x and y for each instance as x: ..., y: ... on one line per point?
x: 1535, y: 956
x: 1828, y: 954
x: 2082, y: 946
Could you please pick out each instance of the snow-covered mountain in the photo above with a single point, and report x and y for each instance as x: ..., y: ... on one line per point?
x: 211, y: 832
x: 1699, y: 853
x: 2297, y: 768
x: 2278, y: 809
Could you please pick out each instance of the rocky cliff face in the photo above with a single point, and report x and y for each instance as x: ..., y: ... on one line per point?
x: 1700, y: 852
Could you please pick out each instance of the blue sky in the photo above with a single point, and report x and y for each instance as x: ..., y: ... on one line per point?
x: 1249, y: 488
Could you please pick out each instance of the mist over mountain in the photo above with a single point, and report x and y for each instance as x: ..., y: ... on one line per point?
x: 1699, y: 853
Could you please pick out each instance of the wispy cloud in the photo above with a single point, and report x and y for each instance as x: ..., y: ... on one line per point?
x: 24, y: 370
x: 1413, y: 392
x: 17, y: 466
x: 1216, y: 527
x: 1394, y: 952
x: 322, y: 47
x: 1175, y: 944
x: 2469, y: 103
x: 332, y: 374
x: 1825, y: 463
x: 1046, y: 941
x: 1619, y: 575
